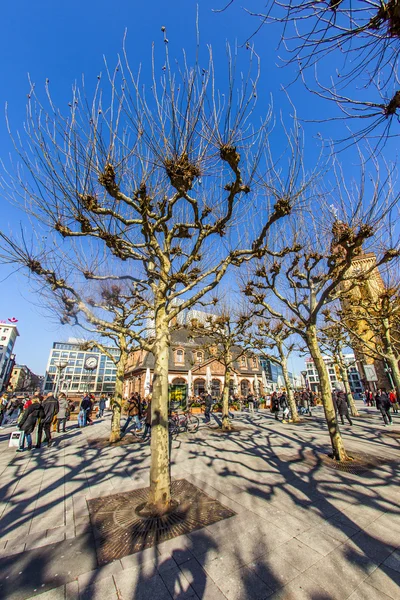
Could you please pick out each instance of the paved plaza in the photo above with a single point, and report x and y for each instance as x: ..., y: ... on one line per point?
x: 301, y: 530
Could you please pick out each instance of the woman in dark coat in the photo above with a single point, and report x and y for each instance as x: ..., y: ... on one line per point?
x: 28, y: 422
x: 341, y: 406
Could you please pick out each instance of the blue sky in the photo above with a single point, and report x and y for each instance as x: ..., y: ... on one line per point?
x: 61, y: 41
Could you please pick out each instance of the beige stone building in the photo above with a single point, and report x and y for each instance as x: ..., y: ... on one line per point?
x: 188, y: 355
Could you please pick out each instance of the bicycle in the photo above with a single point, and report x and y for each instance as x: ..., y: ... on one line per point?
x: 180, y: 422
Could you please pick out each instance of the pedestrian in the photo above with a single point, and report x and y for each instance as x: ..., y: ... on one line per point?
x: 50, y: 409
x: 393, y: 401
x: 208, y: 402
x: 383, y: 405
x: 28, y: 422
x: 3, y: 407
x: 341, y: 406
x: 275, y: 405
x: 283, y: 403
x: 147, y: 429
x: 63, y: 413
x: 84, y: 409
x: 133, y: 409
x: 102, y: 405
x: 250, y: 400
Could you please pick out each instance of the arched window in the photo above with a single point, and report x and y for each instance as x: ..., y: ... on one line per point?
x: 244, y: 387
x: 179, y: 356
x: 198, y: 357
x: 215, y: 388
x: 199, y: 386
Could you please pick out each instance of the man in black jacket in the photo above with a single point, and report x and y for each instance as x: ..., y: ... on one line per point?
x: 50, y: 409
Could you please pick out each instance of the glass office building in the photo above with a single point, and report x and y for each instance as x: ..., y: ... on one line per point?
x: 82, y: 371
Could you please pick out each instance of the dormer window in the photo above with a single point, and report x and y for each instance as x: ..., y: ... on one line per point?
x: 179, y: 356
x: 199, y: 357
x: 243, y: 361
x: 254, y: 362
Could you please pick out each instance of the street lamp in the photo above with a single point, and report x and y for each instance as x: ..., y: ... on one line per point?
x: 61, y: 365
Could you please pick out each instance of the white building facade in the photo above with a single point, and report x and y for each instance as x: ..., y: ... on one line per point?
x: 312, y: 378
x: 8, y: 336
x: 76, y: 372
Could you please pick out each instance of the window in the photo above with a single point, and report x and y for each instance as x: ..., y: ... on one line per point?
x: 243, y: 361
x: 199, y: 357
x: 254, y: 362
x: 179, y: 356
x: 3, y: 337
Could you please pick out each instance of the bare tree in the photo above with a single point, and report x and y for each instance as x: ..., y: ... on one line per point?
x: 334, y: 339
x: 274, y: 341
x: 351, y: 50
x: 160, y: 181
x: 295, y: 289
x: 373, y: 323
x: 225, y: 336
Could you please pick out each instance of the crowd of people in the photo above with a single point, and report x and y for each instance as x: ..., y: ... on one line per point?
x: 44, y: 415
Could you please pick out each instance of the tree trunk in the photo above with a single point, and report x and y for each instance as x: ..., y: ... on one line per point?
x: 160, y: 478
x: 226, y: 424
x: 394, y: 365
x: 288, y: 385
x: 338, y: 448
x: 115, y: 433
x: 345, y: 378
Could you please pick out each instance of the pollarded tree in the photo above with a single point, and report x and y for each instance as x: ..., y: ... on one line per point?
x: 274, y: 341
x: 373, y: 323
x: 159, y: 180
x: 334, y: 339
x: 225, y: 334
x: 350, y: 48
x: 113, y: 308
x: 296, y: 288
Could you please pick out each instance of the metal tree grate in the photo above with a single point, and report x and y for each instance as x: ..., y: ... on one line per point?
x: 119, y: 530
x: 360, y: 463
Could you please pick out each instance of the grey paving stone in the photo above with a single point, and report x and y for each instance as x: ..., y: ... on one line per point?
x: 243, y: 584
x: 367, y: 592
x: 72, y: 591
x: 205, y: 588
x: 54, y: 594
x: 298, y: 554
x: 133, y: 583
x: 274, y: 570
x: 318, y: 540
x: 105, y: 588
x: 393, y: 561
x: 363, y: 542
x: 302, y: 588
x: 176, y: 583
x: 48, y: 566
x: 385, y: 580
x: 341, y: 571
x: 96, y: 575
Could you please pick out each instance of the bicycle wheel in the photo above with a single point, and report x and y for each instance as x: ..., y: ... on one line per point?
x: 192, y: 423
x: 173, y: 428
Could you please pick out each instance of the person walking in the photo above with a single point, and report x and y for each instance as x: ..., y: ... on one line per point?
x: 250, y: 400
x: 383, y: 405
x: 84, y: 409
x: 283, y: 403
x: 133, y: 409
x: 393, y: 401
x: 102, y: 406
x: 208, y: 402
x: 275, y: 405
x: 28, y: 422
x: 50, y: 409
x: 147, y: 429
x: 341, y: 406
x: 63, y: 413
